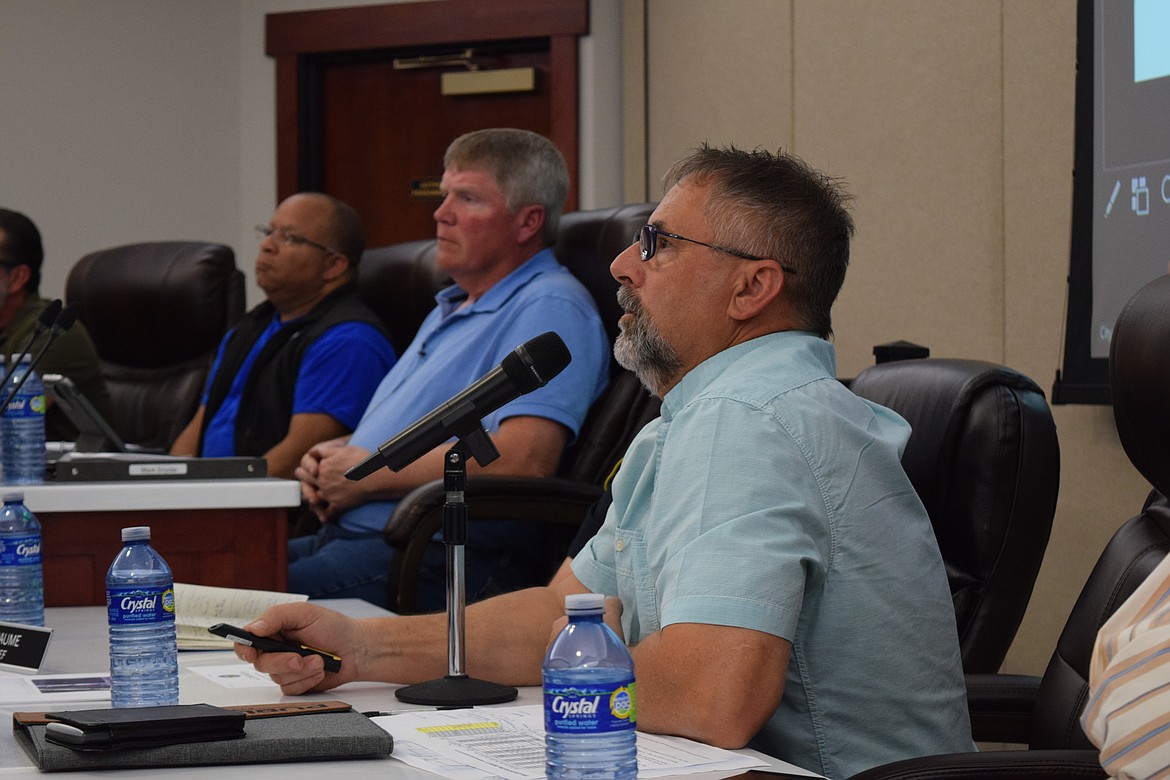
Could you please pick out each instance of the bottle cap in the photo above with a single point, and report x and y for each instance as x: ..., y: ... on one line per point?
x: 12, y: 496
x: 585, y: 602
x: 136, y: 533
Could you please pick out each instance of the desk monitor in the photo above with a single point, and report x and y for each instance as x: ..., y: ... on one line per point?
x: 94, y: 434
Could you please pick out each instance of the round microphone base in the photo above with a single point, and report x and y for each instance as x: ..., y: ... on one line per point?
x: 456, y: 691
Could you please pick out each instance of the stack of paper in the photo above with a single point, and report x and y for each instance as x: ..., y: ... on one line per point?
x: 494, y: 743
x: 200, y: 606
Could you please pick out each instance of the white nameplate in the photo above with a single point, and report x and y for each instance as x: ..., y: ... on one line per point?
x: 159, y: 469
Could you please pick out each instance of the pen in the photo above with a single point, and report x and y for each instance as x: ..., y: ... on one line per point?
x: 267, y: 644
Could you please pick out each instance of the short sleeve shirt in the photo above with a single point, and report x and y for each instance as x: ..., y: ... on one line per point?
x: 769, y: 497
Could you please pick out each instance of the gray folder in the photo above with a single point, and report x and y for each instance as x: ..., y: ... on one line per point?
x: 307, y: 733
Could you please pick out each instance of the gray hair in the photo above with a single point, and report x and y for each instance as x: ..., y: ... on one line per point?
x: 777, y: 206
x: 528, y: 168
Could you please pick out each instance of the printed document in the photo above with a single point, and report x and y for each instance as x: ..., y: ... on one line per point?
x: 508, y: 742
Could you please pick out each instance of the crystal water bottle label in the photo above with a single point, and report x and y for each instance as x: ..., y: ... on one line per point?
x: 25, y: 406
x: 137, y: 606
x: 590, y: 709
x: 24, y: 551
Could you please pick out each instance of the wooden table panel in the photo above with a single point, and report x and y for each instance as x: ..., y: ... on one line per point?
x: 235, y: 548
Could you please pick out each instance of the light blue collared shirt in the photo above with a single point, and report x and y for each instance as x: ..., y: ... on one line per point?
x: 769, y: 497
x: 454, y: 347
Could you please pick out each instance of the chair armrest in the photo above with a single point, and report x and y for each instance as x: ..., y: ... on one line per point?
x: 999, y: 764
x: 530, y: 499
x: 1001, y: 706
x: 419, y: 516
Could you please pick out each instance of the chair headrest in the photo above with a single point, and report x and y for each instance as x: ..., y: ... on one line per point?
x: 398, y: 283
x: 937, y: 397
x: 1139, y: 380
x: 588, y: 241
x: 158, y: 303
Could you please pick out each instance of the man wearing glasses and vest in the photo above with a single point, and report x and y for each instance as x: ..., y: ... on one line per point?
x: 302, y: 365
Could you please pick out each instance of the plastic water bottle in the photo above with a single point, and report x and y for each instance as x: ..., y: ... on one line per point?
x: 140, y: 599
x: 22, y: 429
x: 22, y: 591
x: 589, y: 702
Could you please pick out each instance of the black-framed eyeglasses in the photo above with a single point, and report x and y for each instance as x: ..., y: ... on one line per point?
x: 647, y: 241
x: 286, y: 238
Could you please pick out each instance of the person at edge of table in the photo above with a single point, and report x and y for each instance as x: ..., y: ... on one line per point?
x: 503, y: 193
x: 302, y: 365
x: 72, y: 354
x: 774, y: 572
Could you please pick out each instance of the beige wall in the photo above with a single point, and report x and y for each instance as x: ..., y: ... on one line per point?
x: 952, y: 123
x: 117, y: 126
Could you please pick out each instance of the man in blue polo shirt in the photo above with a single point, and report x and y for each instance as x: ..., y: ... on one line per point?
x: 504, y: 190
x: 302, y: 365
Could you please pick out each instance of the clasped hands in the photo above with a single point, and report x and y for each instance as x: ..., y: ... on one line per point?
x: 322, y: 475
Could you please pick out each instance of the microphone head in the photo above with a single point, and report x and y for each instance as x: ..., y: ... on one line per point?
x: 49, y: 315
x: 67, y: 318
x: 536, y: 361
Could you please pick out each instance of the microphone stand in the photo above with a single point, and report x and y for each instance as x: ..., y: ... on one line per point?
x: 456, y: 689
x: 54, y: 333
x: 45, y: 322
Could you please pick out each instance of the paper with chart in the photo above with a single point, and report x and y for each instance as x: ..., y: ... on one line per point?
x: 508, y: 742
x: 199, y: 606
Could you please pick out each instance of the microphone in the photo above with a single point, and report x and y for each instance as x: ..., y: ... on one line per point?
x: 43, y: 323
x: 529, y: 366
x: 64, y: 321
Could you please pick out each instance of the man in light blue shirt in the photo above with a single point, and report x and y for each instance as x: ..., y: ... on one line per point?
x: 503, y: 194
x: 773, y: 571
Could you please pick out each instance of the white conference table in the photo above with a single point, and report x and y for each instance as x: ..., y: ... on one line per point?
x: 160, y: 495
x: 79, y: 645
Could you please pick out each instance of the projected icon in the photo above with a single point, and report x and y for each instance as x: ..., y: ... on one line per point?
x: 1112, y: 197
x: 1139, y: 199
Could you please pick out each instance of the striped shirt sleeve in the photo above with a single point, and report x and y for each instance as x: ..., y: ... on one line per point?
x: 1128, y: 713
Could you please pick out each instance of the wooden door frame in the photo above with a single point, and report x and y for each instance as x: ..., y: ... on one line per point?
x: 289, y: 36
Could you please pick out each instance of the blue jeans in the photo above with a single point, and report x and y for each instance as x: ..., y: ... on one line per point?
x: 499, y: 557
x: 339, y: 564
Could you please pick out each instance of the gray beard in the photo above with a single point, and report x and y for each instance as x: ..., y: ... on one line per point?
x: 640, y: 347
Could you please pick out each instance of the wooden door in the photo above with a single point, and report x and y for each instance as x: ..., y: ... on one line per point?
x: 352, y: 124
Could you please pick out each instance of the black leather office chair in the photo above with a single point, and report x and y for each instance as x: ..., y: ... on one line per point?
x: 1139, y: 380
x: 399, y: 283
x: 1044, y: 713
x: 156, y: 312
x: 984, y: 458
x: 587, y: 243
